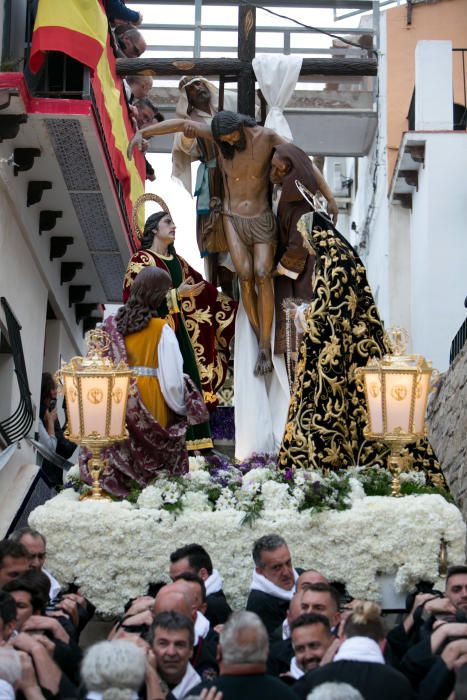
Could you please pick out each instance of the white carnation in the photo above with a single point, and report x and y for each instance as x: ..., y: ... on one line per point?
x: 73, y: 473
x: 250, y: 490
x: 275, y: 495
x: 131, y: 545
x: 195, y: 500
x: 298, y: 495
x: 357, y: 492
x: 150, y: 497
x: 196, y: 463
x: 226, y: 501
x: 257, y: 476
x: 199, y: 478
x: 413, y: 477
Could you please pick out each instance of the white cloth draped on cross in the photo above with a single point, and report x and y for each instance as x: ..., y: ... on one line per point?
x: 277, y: 76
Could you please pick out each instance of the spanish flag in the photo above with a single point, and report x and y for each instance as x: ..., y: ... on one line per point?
x: 79, y: 28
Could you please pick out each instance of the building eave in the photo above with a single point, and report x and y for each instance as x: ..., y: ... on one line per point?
x: 64, y: 185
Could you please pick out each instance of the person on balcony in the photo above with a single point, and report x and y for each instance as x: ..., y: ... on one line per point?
x: 139, y: 86
x: 118, y: 13
x: 145, y: 113
x: 130, y: 42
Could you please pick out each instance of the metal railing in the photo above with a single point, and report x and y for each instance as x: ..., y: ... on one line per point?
x: 458, y: 342
x: 460, y: 111
x: 18, y: 425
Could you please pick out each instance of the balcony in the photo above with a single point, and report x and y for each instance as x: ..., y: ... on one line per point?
x: 71, y: 186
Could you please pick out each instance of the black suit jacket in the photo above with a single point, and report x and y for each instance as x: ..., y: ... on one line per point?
x: 374, y: 681
x: 218, y: 610
x: 270, y: 609
x: 280, y: 656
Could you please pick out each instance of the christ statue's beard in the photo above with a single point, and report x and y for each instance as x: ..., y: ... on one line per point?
x: 229, y: 149
x: 240, y: 145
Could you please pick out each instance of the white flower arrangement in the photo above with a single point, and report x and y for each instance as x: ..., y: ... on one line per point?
x: 114, y: 550
x: 418, y: 478
x: 196, y: 463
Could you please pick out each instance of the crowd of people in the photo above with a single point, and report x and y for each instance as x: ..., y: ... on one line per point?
x: 300, y: 636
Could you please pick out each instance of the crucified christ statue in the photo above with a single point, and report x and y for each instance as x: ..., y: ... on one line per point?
x: 244, y: 152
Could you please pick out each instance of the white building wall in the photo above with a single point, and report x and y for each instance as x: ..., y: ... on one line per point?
x: 25, y: 288
x: 370, y: 208
x: 399, y: 271
x: 26, y: 293
x: 416, y: 260
x: 439, y: 247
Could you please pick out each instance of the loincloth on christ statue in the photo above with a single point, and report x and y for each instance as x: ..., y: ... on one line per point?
x: 255, y: 229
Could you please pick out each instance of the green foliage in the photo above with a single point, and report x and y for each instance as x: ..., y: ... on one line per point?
x: 376, y: 481
x: 175, y: 508
x: 409, y: 488
x: 135, y: 490
x: 213, y: 493
x: 332, y: 493
x: 252, y: 512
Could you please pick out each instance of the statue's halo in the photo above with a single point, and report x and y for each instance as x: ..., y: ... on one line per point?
x: 147, y: 197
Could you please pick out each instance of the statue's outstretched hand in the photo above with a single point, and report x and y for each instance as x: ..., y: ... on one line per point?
x: 190, y: 131
x: 137, y: 141
x: 189, y: 288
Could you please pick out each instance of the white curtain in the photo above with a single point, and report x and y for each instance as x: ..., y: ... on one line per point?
x: 277, y: 76
x: 261, y: 403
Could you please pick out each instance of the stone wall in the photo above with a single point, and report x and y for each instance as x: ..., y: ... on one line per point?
x: 447, y: 425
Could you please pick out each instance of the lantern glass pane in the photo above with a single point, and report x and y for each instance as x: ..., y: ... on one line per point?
x: 119, y: 402
x: 421, y: 398
x: 398, y: 398
x: 94, y: 392
x: 72, y: 404
x: 373, y: 393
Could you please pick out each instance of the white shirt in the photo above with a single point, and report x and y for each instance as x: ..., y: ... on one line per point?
x: 171, y: 371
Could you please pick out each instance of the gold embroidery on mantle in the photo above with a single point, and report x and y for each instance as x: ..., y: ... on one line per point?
x: 343, y: 330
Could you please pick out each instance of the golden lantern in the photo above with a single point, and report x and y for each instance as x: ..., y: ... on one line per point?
x: 396, y: 390
x: 96, y: 393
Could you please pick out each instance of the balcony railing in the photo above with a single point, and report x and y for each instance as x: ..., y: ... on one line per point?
x: 18, y: 425
x: 459, y: 341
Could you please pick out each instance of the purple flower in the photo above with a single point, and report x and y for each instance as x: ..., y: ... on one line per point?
x: 223, y: 424
x: 288, y: 475
x: 258, y: 461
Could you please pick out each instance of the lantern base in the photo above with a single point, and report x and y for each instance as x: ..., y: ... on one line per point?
x: 396, y: 465
x: 96, y: 467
